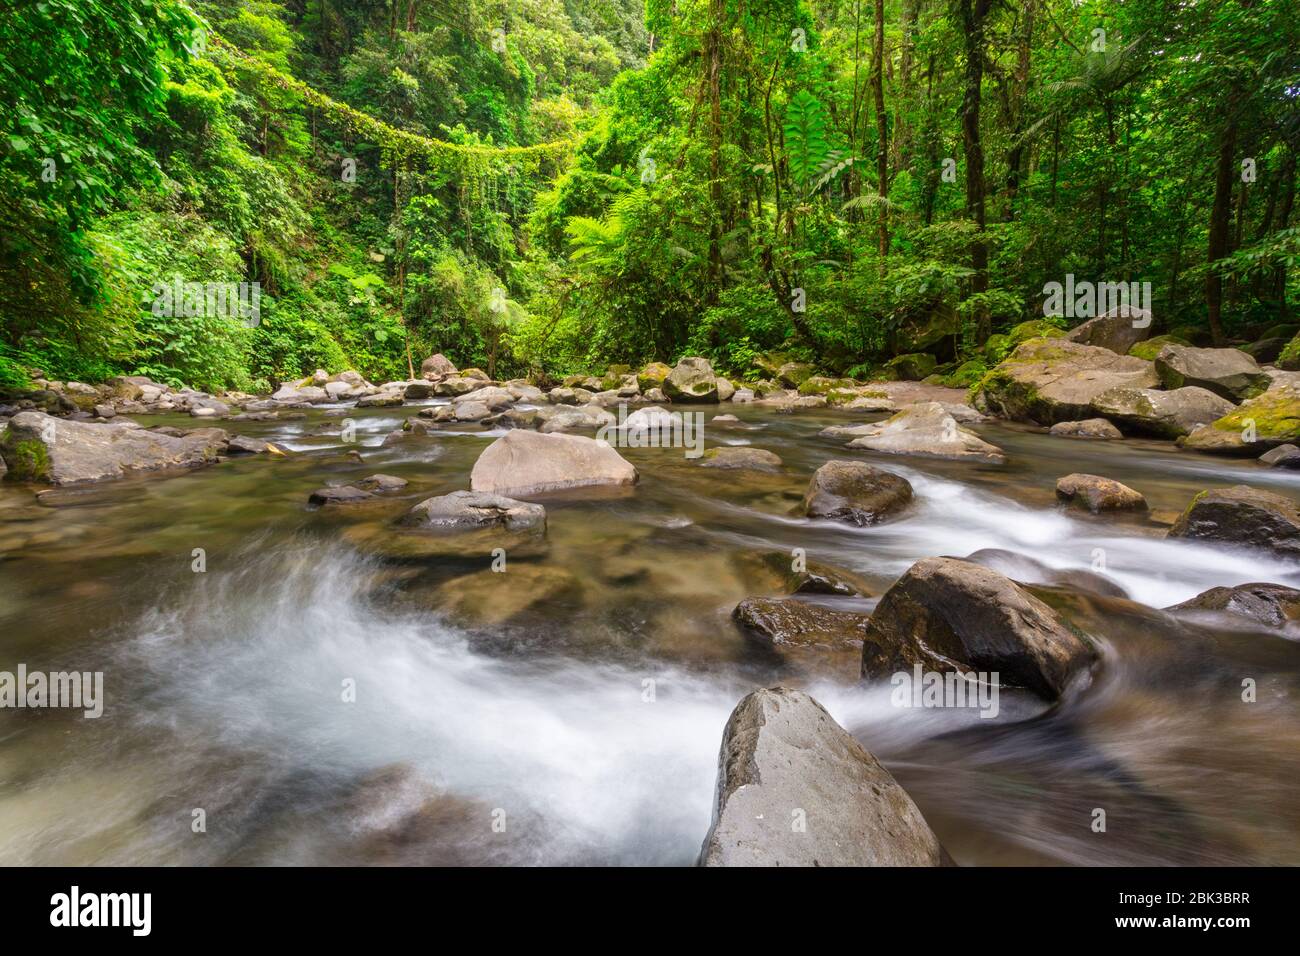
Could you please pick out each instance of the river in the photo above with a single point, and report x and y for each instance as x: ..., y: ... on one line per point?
x: 311, y: 698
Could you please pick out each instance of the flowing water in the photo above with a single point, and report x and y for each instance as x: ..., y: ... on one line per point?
x: 570, y: 709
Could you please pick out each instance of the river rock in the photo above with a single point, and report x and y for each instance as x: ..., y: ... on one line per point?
x: 575, y: 419
x: 454, y: 387
x: 437, y: 367
x: 652, y: 376
x: 784, y: 757
x: 336, y: 495
x: 856, y: 492
x: 871, y: 403
x: 1118, y: 330
x: 1273, y: 605
x: 1227, y: 372
x: 1283, y: 456
x: 1054, y: 380
x: 691, y: 381
x: 1099, y: 428
x: 38, y: 447
x: 1098, y: 494
x: 381, y: 483
x: 524, y: 463
x: 1241, y: 515
x: 950, y: 615
x: 472, y: 511
x: 751, y: 459
x: 471, y: 411
x: 381, y: 400
x: 523, y: 392
x: 1170, y: 414
x: 1256, y: 425
x: 926, y: 430
x: 779, y: 622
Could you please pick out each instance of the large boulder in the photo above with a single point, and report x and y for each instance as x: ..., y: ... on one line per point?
x: 38, y: 447
x: 692, y: 381
x: 1055, y: 380
x: 795, y: 789
x: 1227, y: 372
x: 1256, y: 425
x: 652, y: 376
x: 1097, y: 494
x: 524, y: 463
x: 1241, y: 515
x: 1118, y: 330
x: 950, y: 615
x: 1171, y: 414
x: 455, y: 386
x: 911, y: 368
x: 474, y: 511
x: 925, y: 430
x: 1273, y: 605
x: 788, y: 622
x: 437, y: 367
x: 856, y: 492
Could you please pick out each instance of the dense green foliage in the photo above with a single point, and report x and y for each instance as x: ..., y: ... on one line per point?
x: 545, y: 186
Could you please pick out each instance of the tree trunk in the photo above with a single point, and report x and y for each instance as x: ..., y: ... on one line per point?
x: 973, y: 14
x: 1220, y: 221
x: 882, y: 129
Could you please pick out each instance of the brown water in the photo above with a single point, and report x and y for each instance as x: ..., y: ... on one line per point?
x: 570, y: 709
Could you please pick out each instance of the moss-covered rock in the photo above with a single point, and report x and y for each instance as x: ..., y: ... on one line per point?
x: 1289, y: 358
x: 1148, y: 349
x: 26, y: 459
x: 824, y: 385
x: 652, y: 376
x: 911, y: 368
x: 1050, y: 380
x: 1255, y: 426
x: 966, y: 374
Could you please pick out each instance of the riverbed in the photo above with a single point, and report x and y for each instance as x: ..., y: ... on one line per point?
x: 311, y: 696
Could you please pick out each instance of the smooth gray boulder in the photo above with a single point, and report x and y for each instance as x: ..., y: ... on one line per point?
x: 1118, y: 330
x: 473, y: 511
x: 1227, y: 372
x: 522, y: 463
x: 951, y: 615
x: 38, y: 447
x: 856, y: 492
x: 1164, y: 414
x: 437, y: 367
x: 795, y: 789
x: 1283, y: 456
x: 926, y: 430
